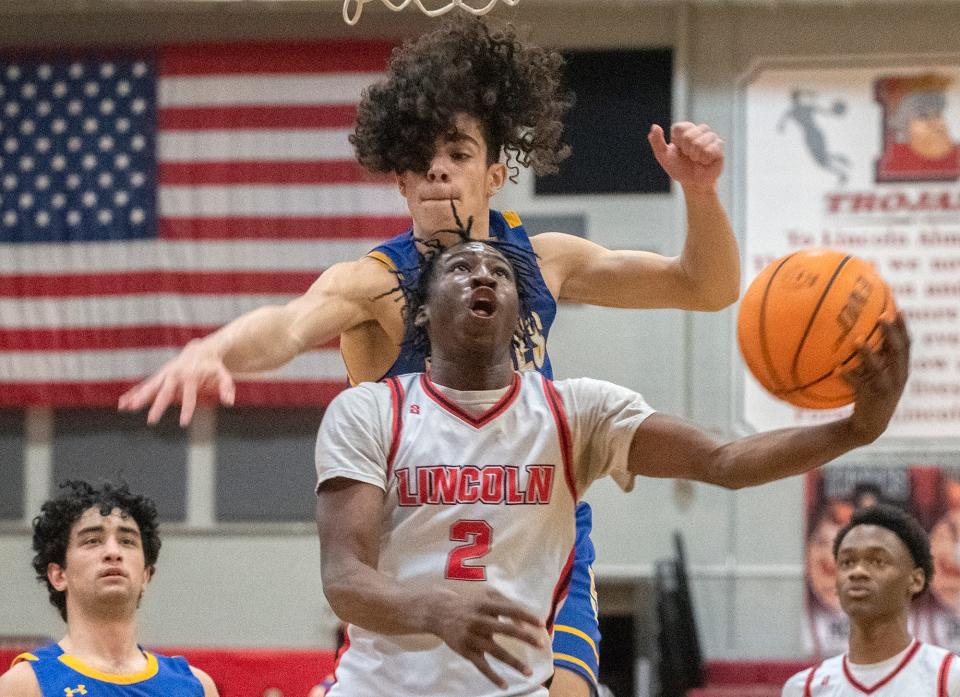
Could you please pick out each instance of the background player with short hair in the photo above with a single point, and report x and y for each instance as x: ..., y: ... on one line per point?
x: 96, y: 551
x: 883, y: 563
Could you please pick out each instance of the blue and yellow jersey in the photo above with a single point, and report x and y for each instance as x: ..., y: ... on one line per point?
x: 62, y: 675
x: 576, y: 633
x: 400, y: 253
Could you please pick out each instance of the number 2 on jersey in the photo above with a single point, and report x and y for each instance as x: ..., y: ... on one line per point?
x: 476, y: 534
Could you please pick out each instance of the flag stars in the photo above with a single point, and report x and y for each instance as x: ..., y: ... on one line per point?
x: 44, y: 71
x: 90, y: 125
x: 26, y: 200
x: 13, y: 73
x: 10, y: 182
x: 11, y: 109
x: 73, y: 181
x: 105, y: 216
x: 123, y: 88
x: 138, y: 105
x: 89, y: 199
x: 107, y: 107
x: 29, y: 90
x: 121, y: 161
x: 137, y: 179
x: 75, y: 71
x: 27, y: 127
x: 43, y: 108
x: 10, y: 145
x: 58, y: 200
x: 59, y: 89
x: 107, y: 70
x: 123, y: 124
x: 91, y: 89
x: 59, y: 126
x: 121, y: 198
x: 59, y: 163
x: 10, y: 218
x: 106, y: 143
x: 73, y: 218
x: 105, y: 180
x: 139, y: 69
x: 138, y: 142
x: 42, y: 218
x: 74, y: 107
x: 42, y: 182
x: 42, y: 145
x: 137, y: 216
x: 27, y: 163
x: 89, y: 162
x: 74, y: 143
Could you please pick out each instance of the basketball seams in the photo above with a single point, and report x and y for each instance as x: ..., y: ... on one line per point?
x: 794, y: 372
x: 762, y: 327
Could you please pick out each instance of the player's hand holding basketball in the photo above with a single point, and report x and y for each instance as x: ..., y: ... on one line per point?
x: 468, y: 625
x: 196, y: 372
x: 879, y: 379
x: 694, y: 156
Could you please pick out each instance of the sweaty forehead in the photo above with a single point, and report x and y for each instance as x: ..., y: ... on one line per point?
x: 474, y: 248
x: 94, y: 517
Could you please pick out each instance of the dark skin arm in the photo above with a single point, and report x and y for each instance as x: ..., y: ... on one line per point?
x: 348, y: 522
x: 664, y: 446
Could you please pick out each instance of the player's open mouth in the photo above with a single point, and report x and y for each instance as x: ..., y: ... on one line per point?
x: 112, y: 572
x: 483, y: 302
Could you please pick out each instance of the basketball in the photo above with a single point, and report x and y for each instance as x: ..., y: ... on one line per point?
x: 802, y: 318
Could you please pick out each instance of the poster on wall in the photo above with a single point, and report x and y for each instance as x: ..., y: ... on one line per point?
x: 865, y: 160
x: 930, y: 494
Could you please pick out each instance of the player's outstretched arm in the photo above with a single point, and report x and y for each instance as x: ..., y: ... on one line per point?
x: 664, y: 446
x: 348, y: 521
x: 264, y: 339
x: 706, y: 275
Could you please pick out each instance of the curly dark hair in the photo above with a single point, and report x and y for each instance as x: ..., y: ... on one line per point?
x: 511, y: 86
x: 51, y: 529
x: 900, y: 524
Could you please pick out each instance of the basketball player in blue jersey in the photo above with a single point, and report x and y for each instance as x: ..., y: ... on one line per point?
x: 444, y: 497
x: 96, y: 551
x: 459, y: 108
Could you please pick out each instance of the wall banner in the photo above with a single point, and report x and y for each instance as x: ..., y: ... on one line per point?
x: 865, y: 160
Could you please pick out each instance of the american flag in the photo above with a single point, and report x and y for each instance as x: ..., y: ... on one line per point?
x: 146, y: 199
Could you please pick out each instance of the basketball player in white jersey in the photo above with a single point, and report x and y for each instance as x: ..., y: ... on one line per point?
x: 445, y: 499
x: 883, y: 563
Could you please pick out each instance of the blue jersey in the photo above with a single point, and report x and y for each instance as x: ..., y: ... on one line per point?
x: 61, y: 675
x: 400, y: 253
x: 576, y: 629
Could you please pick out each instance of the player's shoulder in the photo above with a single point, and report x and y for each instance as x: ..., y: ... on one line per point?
x: 362, y: 398
x: 796, y: 683
x: 209, y: 687
x: 20, y: 680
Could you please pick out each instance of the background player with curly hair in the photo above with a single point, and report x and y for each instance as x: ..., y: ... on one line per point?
x: 458, y: 109
x: 96, y: 551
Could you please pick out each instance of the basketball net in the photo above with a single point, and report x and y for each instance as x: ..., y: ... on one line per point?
x: 353, y: 17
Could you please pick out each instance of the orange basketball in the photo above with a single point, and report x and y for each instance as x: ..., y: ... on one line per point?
x: 803, y: 317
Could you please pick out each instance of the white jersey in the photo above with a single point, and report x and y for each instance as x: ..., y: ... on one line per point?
x: 472, y: 502
x: 922, y: 670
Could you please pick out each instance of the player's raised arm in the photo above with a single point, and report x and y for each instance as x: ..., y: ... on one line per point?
x: 264, y: 339
x: 664, y: 446
x: 706, y: 275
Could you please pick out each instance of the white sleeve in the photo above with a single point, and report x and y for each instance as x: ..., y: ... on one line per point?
x: 794, y: 686
x: 603, y: 418
x: 355, y: 435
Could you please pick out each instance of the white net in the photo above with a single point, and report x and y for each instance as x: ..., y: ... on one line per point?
x: 352, y: 9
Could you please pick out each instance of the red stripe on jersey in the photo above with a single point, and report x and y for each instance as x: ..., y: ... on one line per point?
x: 806, y: 686
x: 396, y: 404
x: 343, y: 649
x: 563, y: 430
x: 944, y: 675
x: 486, y: 417
x: 560, y: 590
x: 870, y: 690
